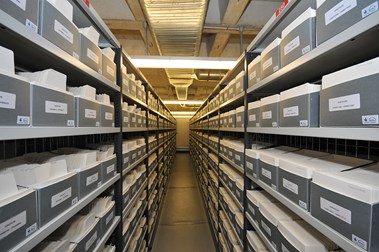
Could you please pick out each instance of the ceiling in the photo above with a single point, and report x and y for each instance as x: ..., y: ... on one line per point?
x: 205, y: 28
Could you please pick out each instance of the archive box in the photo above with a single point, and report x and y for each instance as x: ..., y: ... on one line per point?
x: 90, y: 54
x: 254, y: 114
x: 269, y: 111
x: 239, y: 82
x: 254, y: 71
x: 108, y: 69
x: 106, y: 220
x: 25, y: 12
x: 106, y: 115
x: 254, y: 242
x: 87, y: 112
x: 240, y: 117
x: 89, y: 179
x: 270, y: 58
x: 90, y: 239
x: 254, y: 199
x: 108, y: 168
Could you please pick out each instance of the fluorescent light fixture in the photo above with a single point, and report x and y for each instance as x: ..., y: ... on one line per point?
x: 183, y: 112
x: 183, y: 62
x: 182, y: 116
x: 185, y: 102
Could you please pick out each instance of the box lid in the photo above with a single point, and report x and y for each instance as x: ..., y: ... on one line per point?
x: 110, y: 54
x: 358, y: 71
x: 320, y: 2
x: 232, y: 237
x: 239, y: 220
x: 271, y: 46
x: 240, y: 184
x: 253, y: 153
x: 254, y: 62
x: 258, y: 197
x: 254, y: 105
x: 309, y: 13
x: 270, y: 99
x: 240, y: 109
x: 240, y: 75
x: 256, y: 242
x: 90, y: 33
x: 64, y: 7
x: 271, y: 156
x: 304, y: 237
x: 275, y: 212
x: 7, y: 60
x: 299, y: 91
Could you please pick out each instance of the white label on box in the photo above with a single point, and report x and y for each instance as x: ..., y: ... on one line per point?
x: 90, y: 113
x: 230, y: 120
x: 360, y: 242
x: 267, y: 115
x: 231, y: 91
x: 292, y: 45
x: 7, y: 100
x: 75, y: 55
x: 97, y: 124
x: 303, y: 123
x: 267, y: 63
x: 335, y: 210
x: 63, y: 31
x: 370, y: 9
x: 91, y: 241
x: 249, y: 165
x: 74, y: 201
x: 134, y: 156
x: 60, y: 197
x: 92, y: 56
x: 291, y: 186
x: 92, y: 179
x: 284, y: 249
x: 306, y: 49
x: 109, y: 218
x: 291, y: 111
x: 239, y: 118
x: 110, y: 71
x: 55, y: 107
x: 348, y: 102
x: 70, y: 123
x: 126, y: 119
x: 266, y: 228
x: 339, y: 10
x: 252, y: 118
x: 370, y: 119
x: 266, y: 173
x: 133, y: 119
x: 11, y: 225
x: 238, y: 157
x: 276, y: 68
x: 23, y: 120
x: 230, y: 153
x: 253, y: 75
x: 32, y: 26
x: 108, y: 116
x: 30, y: 230
x: 110, y: 169
x: 238, y: 84
x: 20, y: 3
x: 303, y: 204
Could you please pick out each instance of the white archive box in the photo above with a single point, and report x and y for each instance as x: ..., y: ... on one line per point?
x: 254, y: 71
x: 348, y: 202
x: 349, y: 97
x: 253, y: 116
x: 295, y: 174
x: 300, y: 236
x: 299, y: 37
x: 255, y: 243
x: 25, y: 12
x: 335, y: 16
x: 254, y: 199
x: 299, y: 106
x: 271, y: 215
x: 269, y: 111
x: 270, y: 58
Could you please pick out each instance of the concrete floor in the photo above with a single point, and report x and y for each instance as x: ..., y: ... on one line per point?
x: 183, y: 224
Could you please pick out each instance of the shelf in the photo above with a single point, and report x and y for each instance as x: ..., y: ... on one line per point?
x: 238, y: 99
x: 232, y: 195
x: 259, y: 232
x: 14, y: 133
x: 231, y: 224
x: 44, y: 231
x: 133, y: 201
x: 340, y: 240
x: 353, y: 45
x: 365, y: 134
x: 152, y: 129
x: 231, y: 163
x: 233, y: 129
x: 29, y: 46
x: 134, y: 165
x: 135, y: 229
x: 134, y: 99
x: 106, y: 236
x: 152, y: 170
x: 153, y: 150
x: 143, y: 235
x: 134, y: 129
x: 213, y: 150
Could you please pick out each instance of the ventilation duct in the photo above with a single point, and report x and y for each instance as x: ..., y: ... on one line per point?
x: 210, y: 75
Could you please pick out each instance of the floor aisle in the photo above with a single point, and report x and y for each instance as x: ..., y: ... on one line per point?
x: 183, y: 224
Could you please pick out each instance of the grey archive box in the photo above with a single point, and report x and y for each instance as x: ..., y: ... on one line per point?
x: 132, y: 88
x: 331, y: 20
x: 106, y: 115
x: 25, y: 12
x: 269, y: 230
x: 360, y: 227
x: 299, y: 106
x: 126, y: 159
x: 252, y: 162
x: 19, y: 214
x: 125, y: 121
x: 298, y: 38
x: 90, y: 54
x: 269, y: 111
x: 108, y: 69
x: 14, y: 101
x: 108, y: 168
x: 51, y: 107
x: 90, y: 239
x: 254, y: 71
x: 270, y: 59
x: 253, y: 117
x: 89, y: 179
x: 55, y: 198
x: 87, y: 113
x: 56, y: 28
x: 106, y: 220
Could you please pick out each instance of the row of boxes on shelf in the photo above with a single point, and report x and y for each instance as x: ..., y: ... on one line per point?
x: 234, y: 181
x: 40, y: 186
x: 233, y: 88
x: 152, y: 101
x: 133, y: 87
x: 228, y: 230
x: 282, y: 228
x: 153, y: 121
x: 153, y: 142
x: 339, y: 191
x: 83, y: 231
x: 346, y: 99
x: 233, y: 150
x: 53, y: 20
x: 133, y: 117
x: 232, y: 119
x: 299, y: 37
x: 133, y: 150
x: 138, y: 238
x: 43, y: 99
x: 132, y: 183
x: 152, y: 181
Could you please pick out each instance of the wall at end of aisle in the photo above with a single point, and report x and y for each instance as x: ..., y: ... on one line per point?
x: 182, y: 134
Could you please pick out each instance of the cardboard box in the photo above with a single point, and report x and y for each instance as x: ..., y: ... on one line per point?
x: 108, y: 69
x: 239, y: 82
x: 270, y: 61
x: 89, y: 179
x: 254, y: 71
x: 51, y: 107
x: 106, y: 220
x: 254, y: 199
x: 14, y: 100
x: 90, y: 239
x: 58, y: 29
x: 125, y: 121
x: 348, y: 97
x: 90, y: 54
x: 269, y: 111
x: 299, y: 37
x: 299, y: 106
x: 25, y: 12
x: 336, y: 16
x: 106, y: 115
x: 18, y: 218
x: 108, y: 168
x: 240, y: 117
x: 87, y: 112
x: 254, y: 114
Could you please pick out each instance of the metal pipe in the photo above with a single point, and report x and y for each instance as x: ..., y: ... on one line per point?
x: 227, y: 27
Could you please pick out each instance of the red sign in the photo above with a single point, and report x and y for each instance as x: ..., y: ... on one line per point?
x: 87, y: 2
x: 281, y: 8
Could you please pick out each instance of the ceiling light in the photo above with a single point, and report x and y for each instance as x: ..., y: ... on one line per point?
x: 183, y: 112
x: 184, y: 102
x: 182, y: 116
x: 183, y: 62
